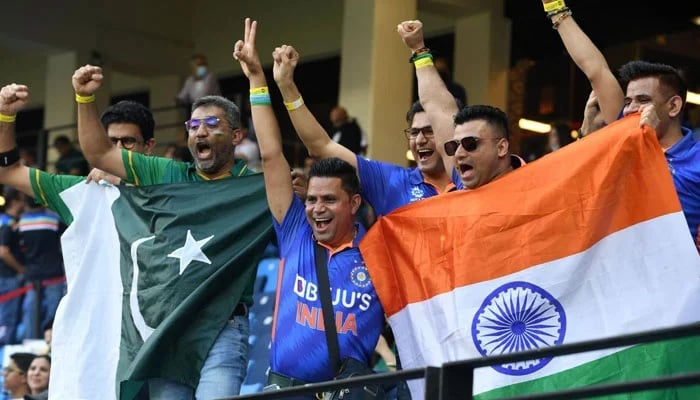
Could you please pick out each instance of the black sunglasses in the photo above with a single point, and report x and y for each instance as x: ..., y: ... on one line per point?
x: 469, y: 143
x: 211, y: 122
x: 127, y: 142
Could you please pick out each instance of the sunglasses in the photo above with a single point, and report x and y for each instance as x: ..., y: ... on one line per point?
x: 127, y: 142
x: 469, y: 143
x: 412, y: 133
x: 194, y: 123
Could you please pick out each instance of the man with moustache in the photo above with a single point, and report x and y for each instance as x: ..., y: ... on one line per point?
x: 324, y: 221
x: 214, y: 130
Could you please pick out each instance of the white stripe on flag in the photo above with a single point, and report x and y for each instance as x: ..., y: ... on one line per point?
x: 87, y: 326
x: 644, y: 277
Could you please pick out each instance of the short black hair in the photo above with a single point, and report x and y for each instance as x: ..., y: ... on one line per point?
x: 231, y: 110
x: 62, y: 139
x: 494, y: 116
x: 23, y: 360
x: 417, y: 107
x: 668, y: 76
x: 336, y: 168
x: 130, y: 112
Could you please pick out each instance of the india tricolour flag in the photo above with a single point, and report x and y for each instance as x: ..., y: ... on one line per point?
x: 153, y: 275
x: 588, y: 242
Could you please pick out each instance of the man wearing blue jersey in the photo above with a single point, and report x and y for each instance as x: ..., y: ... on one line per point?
x: 299, y: 352
x: 659, y: 91
x: 385, y: 186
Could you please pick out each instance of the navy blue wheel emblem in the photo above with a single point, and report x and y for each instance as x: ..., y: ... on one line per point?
x: 518, y: 316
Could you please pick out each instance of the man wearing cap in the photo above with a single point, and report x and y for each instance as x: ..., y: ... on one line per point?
x: 14, y: 375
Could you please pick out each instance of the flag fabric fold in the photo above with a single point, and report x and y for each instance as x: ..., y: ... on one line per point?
x: 154, y: 273
x: 587, y: 242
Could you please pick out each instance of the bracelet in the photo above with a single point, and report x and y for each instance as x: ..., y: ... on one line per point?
x: 423, y: 62
x: 84, y: 99
x: 9, y: 157
x: 260, y: 90
x: 553, y: 6
x: 391, y: 365
x: 294, y: 104
x: 260, y: 99
x: 558, y: 11
x: 7, y: 118
x: 562, y: 16
x: 417, y: 53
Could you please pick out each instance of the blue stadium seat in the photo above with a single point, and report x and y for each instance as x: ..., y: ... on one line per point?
x: 268, y: 267
x: 260, y: 335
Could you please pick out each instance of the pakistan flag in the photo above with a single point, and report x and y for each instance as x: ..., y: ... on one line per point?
x: 153, y: 275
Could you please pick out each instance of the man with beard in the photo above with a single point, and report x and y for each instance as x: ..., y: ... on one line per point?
x: 214, y: 130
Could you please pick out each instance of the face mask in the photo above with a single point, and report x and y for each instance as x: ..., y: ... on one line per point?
x: 201, y: 71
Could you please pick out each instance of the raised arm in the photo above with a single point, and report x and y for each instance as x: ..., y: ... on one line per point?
x: 13, y: 98
x: 315, y: 138
x: 588, y: 58
x: 436, y: 100
x: 93, y: 139
x: 278, y: 180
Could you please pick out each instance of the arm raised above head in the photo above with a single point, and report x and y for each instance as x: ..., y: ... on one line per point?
x: 437, y: 101
x: 96, y: 146
x: 278, y: 179
x: 315, y: 138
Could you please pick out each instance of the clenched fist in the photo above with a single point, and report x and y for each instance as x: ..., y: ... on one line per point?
x: 13, y: 98
x: 87, y: 79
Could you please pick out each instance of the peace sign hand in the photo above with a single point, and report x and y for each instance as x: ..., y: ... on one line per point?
x: 244, y: 51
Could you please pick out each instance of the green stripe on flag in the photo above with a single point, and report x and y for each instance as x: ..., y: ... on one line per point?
x: 635, y: 363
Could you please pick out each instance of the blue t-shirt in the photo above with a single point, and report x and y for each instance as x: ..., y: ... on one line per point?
x: 299, y: 348
x: 388, y: 187
x: 684, y: 162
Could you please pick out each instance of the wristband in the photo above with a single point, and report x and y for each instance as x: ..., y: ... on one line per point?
x: 260, y: 90
x: 260, y: 99
x: 294, y: 104
x: 7, y: 118
x: 9, y: 157
x: 553, y: 6
x: 84, y: 99
x: 423, y: 62
x: 417, y: 53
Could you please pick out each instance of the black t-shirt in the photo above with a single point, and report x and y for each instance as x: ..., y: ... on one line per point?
x: 9, y: 236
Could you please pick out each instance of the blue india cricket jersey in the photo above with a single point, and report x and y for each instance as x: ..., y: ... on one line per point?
x: 299, y: 346
x: 684, y: 162
x: 388, y: 187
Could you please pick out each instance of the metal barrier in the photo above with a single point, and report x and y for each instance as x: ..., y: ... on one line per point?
x: 454, y: 380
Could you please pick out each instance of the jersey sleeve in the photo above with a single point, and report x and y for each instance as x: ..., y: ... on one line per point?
x: 48, y: 187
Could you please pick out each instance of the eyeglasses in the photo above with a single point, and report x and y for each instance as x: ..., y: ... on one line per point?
x: 12, y: 368
x: 127, y: 142
x: 412, y: 133
x: 211, y: 122
x: 469, y: 143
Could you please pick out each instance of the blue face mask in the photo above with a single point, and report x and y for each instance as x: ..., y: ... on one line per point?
x: 201, y: 71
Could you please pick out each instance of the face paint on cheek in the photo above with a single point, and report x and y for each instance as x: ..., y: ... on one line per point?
x: 218, y: 133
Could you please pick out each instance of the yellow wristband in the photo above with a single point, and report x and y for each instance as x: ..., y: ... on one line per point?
x: 423, y: 62
x: 260, y: 90
x: 294, y: 104
x: 84, y: 99
x: 7, y: 118
x: 553, y: 5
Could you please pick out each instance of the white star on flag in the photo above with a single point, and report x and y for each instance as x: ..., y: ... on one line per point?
x: 192, y: 250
